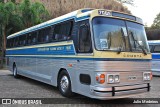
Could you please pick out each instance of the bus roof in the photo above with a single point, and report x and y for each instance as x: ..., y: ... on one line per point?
x: 78, y: 15
x: 153, y: 42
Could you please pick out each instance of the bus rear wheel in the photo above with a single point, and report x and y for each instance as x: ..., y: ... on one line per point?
x: 64, y: 84
x: 15, y: 72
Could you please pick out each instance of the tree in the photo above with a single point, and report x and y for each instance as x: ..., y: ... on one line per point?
x: 1, y: 1
x: 15, y: 17
x: 156, y: 22
x: 32, y: 13
x: 8, y: 16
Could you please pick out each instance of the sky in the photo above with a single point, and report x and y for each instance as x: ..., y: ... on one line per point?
x: 145, y: 9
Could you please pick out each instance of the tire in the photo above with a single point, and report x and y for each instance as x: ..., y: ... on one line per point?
x: 64, y: 84
x: 15, y: 72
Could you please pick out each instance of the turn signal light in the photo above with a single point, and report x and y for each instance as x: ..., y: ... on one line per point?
x: 100, y: 78
x: 151, y: 75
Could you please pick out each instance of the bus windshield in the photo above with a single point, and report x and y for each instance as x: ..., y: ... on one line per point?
x: 115, y: 34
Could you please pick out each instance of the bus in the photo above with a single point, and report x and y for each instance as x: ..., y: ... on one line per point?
x: 98, y: 53
x: 154, y: 46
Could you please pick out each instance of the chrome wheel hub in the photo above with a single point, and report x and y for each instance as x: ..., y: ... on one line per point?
x: 64, y: 83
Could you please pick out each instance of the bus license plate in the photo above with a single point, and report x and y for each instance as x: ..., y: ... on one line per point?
x: 132, y: 77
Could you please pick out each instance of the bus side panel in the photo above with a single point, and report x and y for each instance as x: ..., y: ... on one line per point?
x: 10, y: 63
x: 80, y: 69
x: 156, y: 63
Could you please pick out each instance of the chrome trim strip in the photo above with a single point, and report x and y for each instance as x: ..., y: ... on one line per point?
x: 131, y: 92
x: 100, y: 88
x: 109, y: 94
x: 131, y: 87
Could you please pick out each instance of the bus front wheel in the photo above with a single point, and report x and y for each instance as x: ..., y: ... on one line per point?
x: 64, y: 84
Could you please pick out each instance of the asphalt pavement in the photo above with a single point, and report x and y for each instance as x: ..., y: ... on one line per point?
x: 28, y: 88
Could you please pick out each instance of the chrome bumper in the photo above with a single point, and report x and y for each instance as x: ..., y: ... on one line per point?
x: 118, y: 91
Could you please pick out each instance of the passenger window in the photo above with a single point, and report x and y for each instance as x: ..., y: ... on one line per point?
x: 20, y: 40
x: 51, y: 34
x: 41, y: 36
x: 84, y: 39
x: 151, y: 48
x: 29, y: 39
x: 157, y: 49
x: 24, y: 40
x: 62, y: 31
x: 16, y: 42
x: 34, y: 38
x: 47, y: 34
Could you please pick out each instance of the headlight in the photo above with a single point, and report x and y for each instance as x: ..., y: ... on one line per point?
x: 116, y: 78
x: 147, y: 76
x: 113, y: 78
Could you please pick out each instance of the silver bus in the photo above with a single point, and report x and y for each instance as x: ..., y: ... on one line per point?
x: 97, y: 53
x: 155, y: 50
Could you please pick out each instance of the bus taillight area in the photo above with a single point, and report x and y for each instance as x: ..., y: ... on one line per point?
x: 119, y: 91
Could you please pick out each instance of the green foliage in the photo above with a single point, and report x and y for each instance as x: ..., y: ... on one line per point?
x: 32, y: 13
x: 15, y: 17
x: 156, y: 23
x: 1, y: 1
x: 7, y: 14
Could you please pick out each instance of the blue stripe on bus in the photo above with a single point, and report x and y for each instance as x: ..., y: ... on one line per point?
x: 155, y: 56
x: 79, y: 58
x: 52, y: 50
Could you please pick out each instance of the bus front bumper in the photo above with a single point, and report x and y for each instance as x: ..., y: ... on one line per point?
x: 118, y: 91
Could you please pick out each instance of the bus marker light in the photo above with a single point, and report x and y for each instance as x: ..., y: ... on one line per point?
x: 70, y: 65
x: 151, y: 75
x: 100, y: 78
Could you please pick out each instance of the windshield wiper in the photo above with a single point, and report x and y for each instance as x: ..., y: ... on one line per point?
x: 135, y: 41
x: 123, y: 36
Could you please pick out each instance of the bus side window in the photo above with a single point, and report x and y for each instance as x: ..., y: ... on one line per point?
x: 11, y: 43
x: 15, y: 42
x: 34, y: 38
x: 41, y: 36
x: 151, y: 48
x: 51, y: 34
x: 57, y: 30
x: 29, y: 39
x: 62, y: 31
x: 84, y: 39
x: 157, y: 49
x: 46, y: 34
x: 24, y: 40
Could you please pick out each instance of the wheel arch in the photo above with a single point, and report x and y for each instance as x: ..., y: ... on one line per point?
x: 62, y: 69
